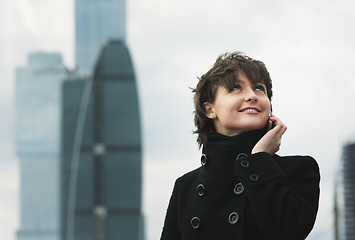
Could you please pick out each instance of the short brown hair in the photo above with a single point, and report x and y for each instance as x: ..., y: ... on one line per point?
x: 224, y: 73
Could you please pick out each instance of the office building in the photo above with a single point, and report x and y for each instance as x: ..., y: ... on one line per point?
x: 37, y: 129
x: 96, y: 22
x: 102, y: 152
x: 345, y: 196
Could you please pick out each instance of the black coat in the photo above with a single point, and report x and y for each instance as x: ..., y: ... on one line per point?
x: 234, y: 195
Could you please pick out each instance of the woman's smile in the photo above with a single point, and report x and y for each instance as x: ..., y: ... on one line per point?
x: 250, y: 110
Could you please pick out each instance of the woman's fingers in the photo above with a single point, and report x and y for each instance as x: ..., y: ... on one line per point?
x: 279, y: 125
x: 271, y: 141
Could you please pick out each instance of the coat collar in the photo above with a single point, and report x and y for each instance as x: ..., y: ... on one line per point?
x: 221, y: 151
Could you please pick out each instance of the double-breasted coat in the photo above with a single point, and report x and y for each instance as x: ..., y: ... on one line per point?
x: 238, y: 195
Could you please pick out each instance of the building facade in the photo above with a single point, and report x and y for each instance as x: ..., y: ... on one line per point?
x: 345, y: 196
x: 37, y: 97
x: 96, y: 22
x: 102, y: 152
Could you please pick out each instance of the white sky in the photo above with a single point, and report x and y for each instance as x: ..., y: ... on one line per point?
x: 308, y: 47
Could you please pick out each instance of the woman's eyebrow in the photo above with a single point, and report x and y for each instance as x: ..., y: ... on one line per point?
x: 239, y: 81
x: 261, y: 83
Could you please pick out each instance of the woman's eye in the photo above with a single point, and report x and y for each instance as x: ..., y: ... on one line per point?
x: 237, y: 87
x: 260, y: 88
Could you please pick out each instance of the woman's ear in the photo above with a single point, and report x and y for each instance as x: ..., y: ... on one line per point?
x: 209, y: 110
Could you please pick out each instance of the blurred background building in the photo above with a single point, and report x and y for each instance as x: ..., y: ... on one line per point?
x: 79, y: 135
x: 96, y: 21
x: 344, y: 204
x: 37, y: 144
x: 102, y: 152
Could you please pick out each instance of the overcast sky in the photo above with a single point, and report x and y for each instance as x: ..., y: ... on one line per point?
x: 307, y: 46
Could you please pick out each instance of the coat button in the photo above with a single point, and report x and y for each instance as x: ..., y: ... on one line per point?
x: 201, y: 190
x: 245, y: 163
x: 203, y: 159
x: 239, y: 188
x: 241, y: 156
x: 233, y: 218
x: 195, y: 222
x: 254, y: 177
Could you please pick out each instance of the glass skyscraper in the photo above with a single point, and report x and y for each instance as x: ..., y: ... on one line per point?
x: 96, y: 22
x: 345, y: 196
x: 37, y: 100
x: 102, y: 152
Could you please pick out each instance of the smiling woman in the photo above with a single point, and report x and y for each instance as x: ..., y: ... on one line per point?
x: 243, y: 190
x: 244, y: 108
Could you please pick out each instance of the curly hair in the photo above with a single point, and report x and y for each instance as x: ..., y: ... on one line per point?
x: 224, y: 73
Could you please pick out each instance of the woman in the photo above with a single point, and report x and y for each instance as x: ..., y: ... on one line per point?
x: 242, y: 190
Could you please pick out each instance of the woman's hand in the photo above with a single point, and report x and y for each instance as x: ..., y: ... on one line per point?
x: 271, y: 141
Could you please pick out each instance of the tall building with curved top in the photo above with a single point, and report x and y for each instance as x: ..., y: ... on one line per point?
x: 102, y: 152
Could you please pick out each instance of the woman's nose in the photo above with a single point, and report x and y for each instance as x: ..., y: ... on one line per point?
x: 250, y: 96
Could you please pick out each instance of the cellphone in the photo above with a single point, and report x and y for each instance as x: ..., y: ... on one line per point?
x: 271, y: 125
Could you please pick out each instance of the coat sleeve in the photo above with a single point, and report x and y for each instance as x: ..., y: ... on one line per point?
x: 285, y: 204
x: 171, y: 227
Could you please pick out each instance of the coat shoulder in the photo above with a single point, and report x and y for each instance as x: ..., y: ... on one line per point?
x: 298, y: 163
x: 187, y: 179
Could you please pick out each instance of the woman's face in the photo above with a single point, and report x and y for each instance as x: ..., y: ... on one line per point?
x: 243, y: 109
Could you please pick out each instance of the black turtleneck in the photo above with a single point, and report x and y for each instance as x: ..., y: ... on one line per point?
x: 221, y: 150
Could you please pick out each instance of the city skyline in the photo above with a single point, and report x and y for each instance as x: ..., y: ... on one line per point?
x: 42, y: 211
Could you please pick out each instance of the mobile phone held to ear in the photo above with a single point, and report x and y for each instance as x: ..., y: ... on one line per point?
x: 271, y: 125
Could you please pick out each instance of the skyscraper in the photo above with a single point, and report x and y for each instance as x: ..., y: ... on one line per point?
x: 96, y: 22
x: 345, y: 196
x: 37, y: 144
x: 102, y: 152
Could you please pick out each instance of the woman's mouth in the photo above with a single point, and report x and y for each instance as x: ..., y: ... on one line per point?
x: 249, y: 110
